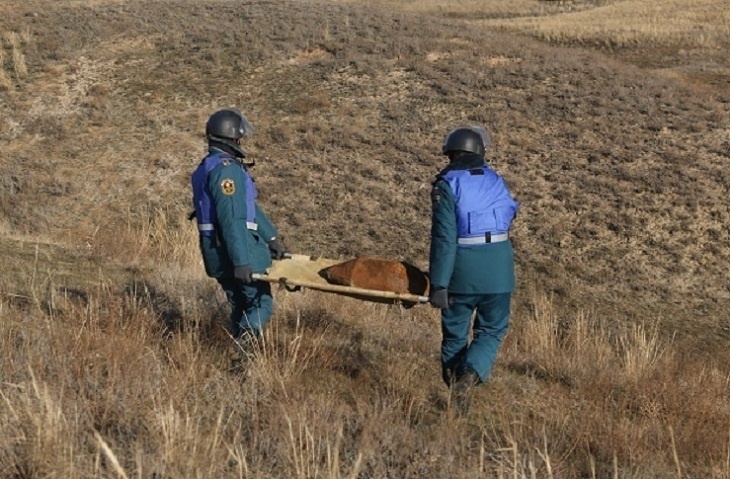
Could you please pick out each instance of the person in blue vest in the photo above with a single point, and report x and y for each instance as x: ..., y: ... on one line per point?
x: 471, y: 259
x: 236, y: 237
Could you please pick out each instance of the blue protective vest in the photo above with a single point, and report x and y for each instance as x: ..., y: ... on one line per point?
x: 483, y: 202
x: 203, y: 201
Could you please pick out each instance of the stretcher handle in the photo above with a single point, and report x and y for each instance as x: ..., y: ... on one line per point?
x: 336, y: 288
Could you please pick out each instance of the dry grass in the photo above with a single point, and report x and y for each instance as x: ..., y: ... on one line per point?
x: 5, y: 82
x: 461, y: 8
x: 605, y: 23
x: 696, y: 24
x: 484, y: 9
x: 113, y: 359
x: 19, y: 66
x: 688, y: 39
x: 138, y: 383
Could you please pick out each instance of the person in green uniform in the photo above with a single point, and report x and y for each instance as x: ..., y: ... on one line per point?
x: 236, y: 237
x: 471, y: 258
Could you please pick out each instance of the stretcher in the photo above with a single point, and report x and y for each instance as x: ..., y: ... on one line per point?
x: 301, y: 271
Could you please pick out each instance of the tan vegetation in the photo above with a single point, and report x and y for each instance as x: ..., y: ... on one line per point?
x: 609, y: 23
x: 4, y: 78
x: 113, y: 357
x: 703, y: 24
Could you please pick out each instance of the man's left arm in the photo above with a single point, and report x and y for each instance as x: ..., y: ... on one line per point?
x: 443, y: 236
x: 266, y: 227
x: 269, y: 234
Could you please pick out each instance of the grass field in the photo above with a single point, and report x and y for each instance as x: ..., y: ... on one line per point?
x: 610, y: 122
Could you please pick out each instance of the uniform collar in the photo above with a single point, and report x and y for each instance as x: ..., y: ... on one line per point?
x: 212, y: 150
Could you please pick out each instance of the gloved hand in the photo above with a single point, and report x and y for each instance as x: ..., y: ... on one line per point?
x: 439, y: 298
x: 243, y: 274
x: 276, y: 248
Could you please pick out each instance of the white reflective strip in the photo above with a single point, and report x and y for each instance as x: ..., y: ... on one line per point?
x: 481, y: 240
x: 210, y: 227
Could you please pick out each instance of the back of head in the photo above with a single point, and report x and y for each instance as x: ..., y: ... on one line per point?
x: 464, y: 140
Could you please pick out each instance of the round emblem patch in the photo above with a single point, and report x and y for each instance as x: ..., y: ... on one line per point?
x: 228, y: 187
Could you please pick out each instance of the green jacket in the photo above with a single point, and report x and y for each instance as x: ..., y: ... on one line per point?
x: 234, y: 244
x: 482, y: 269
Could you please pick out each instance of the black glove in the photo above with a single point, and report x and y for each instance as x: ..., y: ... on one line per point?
x: 276, y: 248
x: 439, y: 298
x: 243, y: 274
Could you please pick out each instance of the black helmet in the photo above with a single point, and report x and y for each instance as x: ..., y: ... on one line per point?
x: 464, y: 139
x: 228, y: 123
x: 226, y: 127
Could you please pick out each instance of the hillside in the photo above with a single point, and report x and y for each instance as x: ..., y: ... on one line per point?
x: 622, y: 244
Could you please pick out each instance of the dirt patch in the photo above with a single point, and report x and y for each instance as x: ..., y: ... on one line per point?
x: 308, y: 56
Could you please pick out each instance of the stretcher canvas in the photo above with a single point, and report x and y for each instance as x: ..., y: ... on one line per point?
x: 369, y: 279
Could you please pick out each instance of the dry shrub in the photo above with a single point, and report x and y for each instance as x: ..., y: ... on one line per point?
x: 19, y: 66
x: 338, y: 387
x: 148, y: 231
x: 5, y: 82
x: 177, y: 417
x: 632, y: 376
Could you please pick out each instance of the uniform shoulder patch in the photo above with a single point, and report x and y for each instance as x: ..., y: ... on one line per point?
x: 228, y: 187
